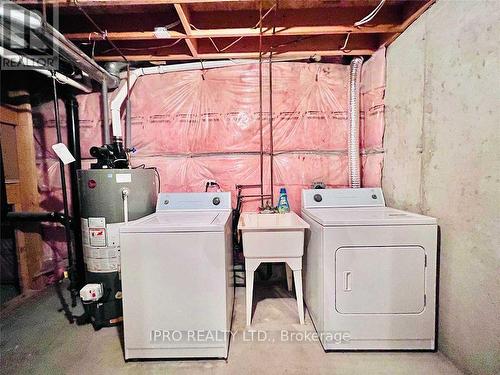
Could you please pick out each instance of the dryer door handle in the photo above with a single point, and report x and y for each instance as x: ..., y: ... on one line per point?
x: 347, y: 281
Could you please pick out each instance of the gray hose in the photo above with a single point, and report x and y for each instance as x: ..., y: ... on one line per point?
x: 354, y: 109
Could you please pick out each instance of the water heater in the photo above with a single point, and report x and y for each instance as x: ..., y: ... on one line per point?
x: 109, y: 198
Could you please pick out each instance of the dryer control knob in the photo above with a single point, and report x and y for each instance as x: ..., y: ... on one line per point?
x: 318, y: 197
x: 216, y: 201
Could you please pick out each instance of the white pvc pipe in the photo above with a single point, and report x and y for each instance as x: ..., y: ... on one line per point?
x: 121, y: 93
x: 26, y: 61
x: 125, y: 193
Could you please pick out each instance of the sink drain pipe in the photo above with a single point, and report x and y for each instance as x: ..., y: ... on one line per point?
x: 354, y: 111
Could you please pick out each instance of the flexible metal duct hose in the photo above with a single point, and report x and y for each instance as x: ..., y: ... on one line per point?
x: 353, y: 142
x: 105, y: 113
x: 128, y: 124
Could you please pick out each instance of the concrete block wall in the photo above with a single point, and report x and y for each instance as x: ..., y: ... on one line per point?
x: 443, y: 159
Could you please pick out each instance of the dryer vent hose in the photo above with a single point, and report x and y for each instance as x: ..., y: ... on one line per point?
x: 354, y: 111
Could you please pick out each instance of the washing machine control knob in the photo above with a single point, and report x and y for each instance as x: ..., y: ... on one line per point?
x: 374, y: 196
x: 216, y: 201
x: 318, y: 197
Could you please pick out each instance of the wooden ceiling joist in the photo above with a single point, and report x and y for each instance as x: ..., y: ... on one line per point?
x: 185, y: 18
x: 237, y: 55
x: 241, y: 32
x: 100, y: 3
x: 411, y: 17
x: 320, y: 27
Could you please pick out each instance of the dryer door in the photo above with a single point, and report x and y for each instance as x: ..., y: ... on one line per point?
x: 380, y: 280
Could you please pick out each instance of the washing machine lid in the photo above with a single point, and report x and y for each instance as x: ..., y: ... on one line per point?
x: 352, y: 216
x: 185, y: 212
x: 179, y: 221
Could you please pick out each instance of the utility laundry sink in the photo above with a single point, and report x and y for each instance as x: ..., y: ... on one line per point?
x: 272, y: 235
x: 273, y: 238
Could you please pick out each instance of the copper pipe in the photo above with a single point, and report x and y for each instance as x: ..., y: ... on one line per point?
x: 271, y: 142
x: 245, y: 186
x: 260, y: 109
x: 271, y: 148
x: 255, y: 196
x: 101, y: 31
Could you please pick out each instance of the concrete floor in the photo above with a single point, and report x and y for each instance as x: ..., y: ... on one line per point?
x: 37, y: 339
x: 7, y: 292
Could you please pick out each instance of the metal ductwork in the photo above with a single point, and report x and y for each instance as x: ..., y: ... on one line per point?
x: 22, y: 60
x: 354, y: 111
x: 15, y: 15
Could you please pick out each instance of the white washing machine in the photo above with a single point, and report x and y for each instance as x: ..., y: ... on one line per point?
x: 370, y: 272
x: 176, y: 269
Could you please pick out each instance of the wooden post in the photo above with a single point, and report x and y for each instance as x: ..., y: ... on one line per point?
x: 23, y: 193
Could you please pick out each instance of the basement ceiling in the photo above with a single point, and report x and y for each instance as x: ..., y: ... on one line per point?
x: 209, y: 29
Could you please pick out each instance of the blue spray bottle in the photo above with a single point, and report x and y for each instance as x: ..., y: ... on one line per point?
x: 283, y: 205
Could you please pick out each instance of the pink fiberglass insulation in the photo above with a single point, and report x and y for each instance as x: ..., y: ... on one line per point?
x: 194, y: 126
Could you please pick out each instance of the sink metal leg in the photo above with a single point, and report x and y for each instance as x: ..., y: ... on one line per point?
x: 250, y: 267
x: 289, y: 277
x: 249, y: 290
x: 297, y: 276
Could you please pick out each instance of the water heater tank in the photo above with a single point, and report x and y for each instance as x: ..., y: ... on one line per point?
x: 102, y: 214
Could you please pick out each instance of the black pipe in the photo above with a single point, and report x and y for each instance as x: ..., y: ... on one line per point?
x: 73, y: 126
x: 37, y: 217
x: 72, y: 286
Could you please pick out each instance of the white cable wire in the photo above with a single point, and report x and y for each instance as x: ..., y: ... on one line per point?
x: 370, y: 16
x: 173, y: 24
x: 239, y: 38
x: 344, y: 47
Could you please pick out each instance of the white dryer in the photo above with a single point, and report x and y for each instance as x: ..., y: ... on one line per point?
x: 370, y: 272
x: 176, y: 269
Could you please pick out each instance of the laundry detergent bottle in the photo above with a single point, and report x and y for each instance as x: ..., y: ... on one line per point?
x: 283, y: 205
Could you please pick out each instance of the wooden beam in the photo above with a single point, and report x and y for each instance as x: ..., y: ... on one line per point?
x: 124, y: 35
x: 29, y: 242
x: 28, y: 186
x: 184, y: 16
x: 249, y: 47
x: 193, y: 47
x: 13, y: 193
x: 96, y: 3
x: 344, y: 16
x: 8, y: 116
x: 294, y: 31
x: 242, y: 32
x: 237, y: 55
x: 408, y: 21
